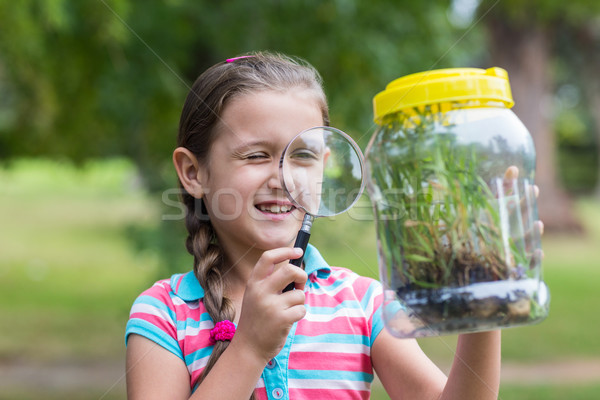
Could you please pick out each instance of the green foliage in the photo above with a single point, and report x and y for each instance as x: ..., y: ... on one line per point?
x: 575, y: 119
x: 573, y: 44
x: 541, y: 12
x: 102, y: 78
x: 81, y: 85
x: 89, y: 79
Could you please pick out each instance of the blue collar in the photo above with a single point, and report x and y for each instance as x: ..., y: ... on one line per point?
x: 314, y: 262
x: 187, y: 287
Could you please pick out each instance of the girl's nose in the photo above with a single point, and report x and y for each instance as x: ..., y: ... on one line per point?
x: 274, y: 181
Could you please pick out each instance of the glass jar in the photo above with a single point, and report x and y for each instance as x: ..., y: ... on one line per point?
x: 450, y: 174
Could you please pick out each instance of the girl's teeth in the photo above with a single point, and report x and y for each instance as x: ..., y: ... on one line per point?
x: 275, y: 209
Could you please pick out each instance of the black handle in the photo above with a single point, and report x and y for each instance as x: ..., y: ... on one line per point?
x: 302, y: 242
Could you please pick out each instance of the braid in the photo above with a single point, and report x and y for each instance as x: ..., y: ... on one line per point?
x: 208, y: 262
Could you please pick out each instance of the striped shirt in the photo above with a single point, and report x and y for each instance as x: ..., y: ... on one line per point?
x: 327, y: 354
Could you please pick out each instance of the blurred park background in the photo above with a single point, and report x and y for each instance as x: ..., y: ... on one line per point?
x: 90, y: 96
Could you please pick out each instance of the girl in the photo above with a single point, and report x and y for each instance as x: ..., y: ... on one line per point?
x: 322, y: 340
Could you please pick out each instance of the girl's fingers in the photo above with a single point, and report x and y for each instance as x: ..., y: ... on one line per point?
x: 536, y: 258
x: 539, y: 227
x: 286, y: 274
x: 532, y: 192
x: 297, y: 312
x: 511, y: 174
x: 536, y: 230
x: 292, y: 299
x: 532, y: 239
x: 270, y: 258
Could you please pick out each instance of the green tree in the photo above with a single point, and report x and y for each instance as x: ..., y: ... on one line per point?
x: 522, y: 39
x: 579, y: 47
x: 100, y: 78
x: 78, y: 84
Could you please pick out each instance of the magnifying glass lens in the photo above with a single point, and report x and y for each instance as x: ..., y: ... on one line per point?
x: 322, y: 171
x: 303, y: 167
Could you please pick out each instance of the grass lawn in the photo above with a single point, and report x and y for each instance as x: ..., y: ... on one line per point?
x: 69, y: 272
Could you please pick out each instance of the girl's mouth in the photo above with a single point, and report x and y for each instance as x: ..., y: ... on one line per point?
x: 275, y: 208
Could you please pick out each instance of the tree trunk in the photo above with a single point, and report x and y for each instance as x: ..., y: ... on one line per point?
x: 593, y: 95
x: 587, y: 40
x: 524, y: 51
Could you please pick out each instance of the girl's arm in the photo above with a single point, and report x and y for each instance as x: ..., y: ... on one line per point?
x: 404, y: 370
x: 155, y: 373
x: 407, y: 373
x: 475, y: 372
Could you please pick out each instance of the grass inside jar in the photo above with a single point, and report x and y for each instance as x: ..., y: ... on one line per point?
x: 445, y: 229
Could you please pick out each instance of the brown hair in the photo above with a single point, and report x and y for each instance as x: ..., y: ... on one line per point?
x: 202, y: 111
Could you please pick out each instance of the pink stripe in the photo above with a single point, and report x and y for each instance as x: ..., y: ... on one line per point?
x: 327, y: 300
x: 159, y: 290
x: 194, y: 376
x: 179, y: 280
x: 190, y: 344
x: 159, y: 322
x: 331, y: 361
x: 340, y: 325
x: 183, y: 311
x: 377, y: 302
x: 331, y: 279
x: 338, y: 394
x: 341, y: 273
x: 164, y: 283
x: 261, y: 393
x: 361, y: 286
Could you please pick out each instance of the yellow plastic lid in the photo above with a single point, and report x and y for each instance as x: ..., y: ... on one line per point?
x: 442, y: 86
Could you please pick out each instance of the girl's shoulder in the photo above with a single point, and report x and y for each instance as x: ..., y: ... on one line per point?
x: 171, y: 311
x: 344, y: 274
x: 347, y: 273
x: 173, y: 299
x: 185, y: 286
x: 344, y: 283
x: 333, y: 279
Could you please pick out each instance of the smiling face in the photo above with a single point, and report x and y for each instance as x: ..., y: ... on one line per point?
x: 247, y: 205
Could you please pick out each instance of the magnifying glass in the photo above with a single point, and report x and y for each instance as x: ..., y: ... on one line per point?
x: 322, y: 173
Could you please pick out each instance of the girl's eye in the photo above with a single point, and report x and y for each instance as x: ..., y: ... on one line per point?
x: 304, y: 155
x: 256, y: 156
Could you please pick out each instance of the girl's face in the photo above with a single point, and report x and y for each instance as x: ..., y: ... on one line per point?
x: 243, y: 194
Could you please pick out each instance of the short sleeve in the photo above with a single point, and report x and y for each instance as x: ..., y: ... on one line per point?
x: 373, y: 300
x: 369, y: 292
x: 153, y: 317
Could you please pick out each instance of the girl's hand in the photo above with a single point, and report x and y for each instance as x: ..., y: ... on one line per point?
x: 537, y: 230
x: 267, y: 314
